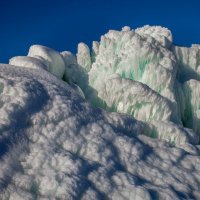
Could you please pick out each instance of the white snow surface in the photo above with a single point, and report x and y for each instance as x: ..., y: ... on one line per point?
x: 50, y: 57
x: 56, y: 141
x: 26, y: 61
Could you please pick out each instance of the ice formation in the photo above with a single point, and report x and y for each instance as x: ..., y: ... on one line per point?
x: 119, y: 121
x: 52, y: 59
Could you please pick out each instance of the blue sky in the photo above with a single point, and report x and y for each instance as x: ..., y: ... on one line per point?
x: 62, y: 24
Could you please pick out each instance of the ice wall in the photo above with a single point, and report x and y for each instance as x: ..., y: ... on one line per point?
x: 146, y: 56
x: 55, y: 145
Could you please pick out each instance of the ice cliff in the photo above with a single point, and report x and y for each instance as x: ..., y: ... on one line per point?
x: 118, y: 121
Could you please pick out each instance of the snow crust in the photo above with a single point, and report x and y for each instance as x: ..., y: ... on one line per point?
x: 56, y: 141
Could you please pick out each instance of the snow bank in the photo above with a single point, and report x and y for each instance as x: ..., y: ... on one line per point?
x: 62, y: 147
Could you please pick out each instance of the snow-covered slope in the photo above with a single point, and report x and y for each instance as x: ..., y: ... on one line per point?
x: 55, y: 143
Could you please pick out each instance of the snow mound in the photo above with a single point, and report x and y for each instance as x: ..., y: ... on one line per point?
x: 56, y: 141
x: 56, y: 145
x: 26, y: 61
x: 50, y: 57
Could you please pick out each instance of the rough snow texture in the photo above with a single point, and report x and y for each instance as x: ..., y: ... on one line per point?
x: 54, y: 144
x: 162, y: 35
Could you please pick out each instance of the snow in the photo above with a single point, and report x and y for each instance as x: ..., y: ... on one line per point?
x: 83, y: 56
x: 57, y: 142
x: 52, y: 59
x: 134, y: 57
x: 188, y: 77
x: 136, y: 99
x: 26, y: 61
x: 95, y: 50
x: 69, y: 60
x: 161, y: 34
x: 192, y: 106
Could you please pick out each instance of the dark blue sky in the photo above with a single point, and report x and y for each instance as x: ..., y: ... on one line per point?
x: 62, y: 24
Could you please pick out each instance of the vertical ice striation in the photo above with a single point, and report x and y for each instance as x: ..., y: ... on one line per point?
x: 189, y: 62
x: 144, y: 56
x: 95, y: 50
x: 191, y: 115
x: 83, y: 56
x: 138, y: 60
x: 135, y: 99
x: 30, y: 62
x: 134, y: 57
x: 188, y: 76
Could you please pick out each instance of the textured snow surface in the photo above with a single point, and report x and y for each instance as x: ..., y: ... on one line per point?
x: 162, y: 35
x: 55, y: 143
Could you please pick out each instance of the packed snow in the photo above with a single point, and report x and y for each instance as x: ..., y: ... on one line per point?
x: 119, y: 121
